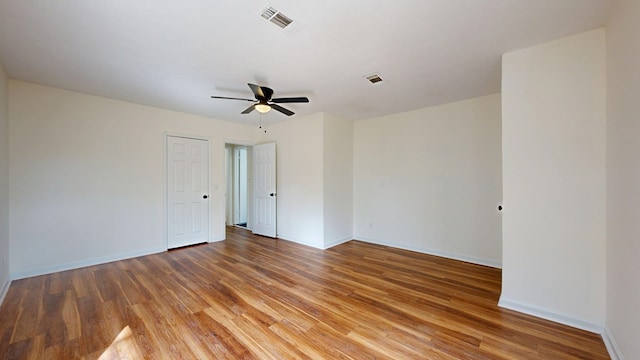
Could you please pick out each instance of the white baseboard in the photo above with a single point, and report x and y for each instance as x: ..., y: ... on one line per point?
x: 4, y: 291
x: 313, y: 245
x: 551, y: 316
x: 444, y: 254
x: 612, y: 347
x: 338, y: 242
x: 85, y: 263
x: 292, y: 239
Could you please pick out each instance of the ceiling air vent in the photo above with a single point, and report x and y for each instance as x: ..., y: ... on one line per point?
x: 269, y: 12
x: 276, y: 17
x: 374, y: 79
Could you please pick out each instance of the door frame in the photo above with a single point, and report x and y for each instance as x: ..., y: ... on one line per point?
x: 237, y: 177
x: 165, y: 183
x: 249, y: 146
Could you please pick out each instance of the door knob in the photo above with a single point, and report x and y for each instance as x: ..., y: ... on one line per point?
x: 272, y: 194
x: 204, y: 196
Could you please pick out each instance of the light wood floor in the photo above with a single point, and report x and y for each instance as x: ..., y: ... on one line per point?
x: 258, y: 298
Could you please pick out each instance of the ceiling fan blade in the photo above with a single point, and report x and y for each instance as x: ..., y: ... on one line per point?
x: 257, y: 91
x: 301, y: 99
x: 281, y: 109
x: 261, y: 92
x: 230, y: 98
x: 268, y: 92
x: 249, y: 109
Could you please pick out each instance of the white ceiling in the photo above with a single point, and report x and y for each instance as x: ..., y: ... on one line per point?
x: 174, y: 54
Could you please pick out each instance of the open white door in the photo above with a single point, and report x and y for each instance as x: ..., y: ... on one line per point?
x: 264, y: 189
x: 188, y: 191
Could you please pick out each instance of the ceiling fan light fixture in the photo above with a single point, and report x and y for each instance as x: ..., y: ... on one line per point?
x: 263, y: 108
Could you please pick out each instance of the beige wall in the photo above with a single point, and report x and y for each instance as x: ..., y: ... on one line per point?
x: 338, y: 180
x: 314, y: 161
x: 553, y: 131
x: 430, y: 180
x: 300, y: 187
x: 87, y: 176
x: 4, y: 185
x: 623, y: 178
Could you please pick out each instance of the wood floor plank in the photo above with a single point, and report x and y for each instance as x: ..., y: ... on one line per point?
x: 216, y: 338
x: 168, y: 342
x: 251, y: 297
x: 71, y: 316
x: 29, y: 311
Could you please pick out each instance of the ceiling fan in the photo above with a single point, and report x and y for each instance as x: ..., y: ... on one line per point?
x: 264, y: 102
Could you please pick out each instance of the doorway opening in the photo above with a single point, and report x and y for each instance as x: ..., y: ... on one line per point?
x: 238, y: 159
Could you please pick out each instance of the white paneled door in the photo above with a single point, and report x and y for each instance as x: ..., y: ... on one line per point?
x: 188, y: 191
x: 264, y: 189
